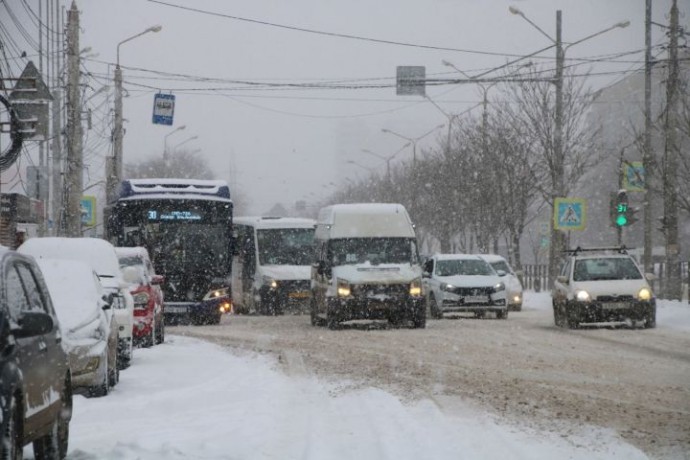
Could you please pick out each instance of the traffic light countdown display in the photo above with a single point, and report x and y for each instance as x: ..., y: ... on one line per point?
x: 622, y: 213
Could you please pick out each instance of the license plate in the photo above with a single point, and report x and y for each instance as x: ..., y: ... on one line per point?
x: 613, y: 305
x: 476, y: 299
x: 173, y: 309
x: 299, y: 295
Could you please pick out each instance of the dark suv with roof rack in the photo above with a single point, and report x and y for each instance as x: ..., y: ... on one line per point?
x: 602, y: 285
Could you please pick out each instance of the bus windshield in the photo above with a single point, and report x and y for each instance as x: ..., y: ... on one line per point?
x: 285, y: 246
x: 373, y: 250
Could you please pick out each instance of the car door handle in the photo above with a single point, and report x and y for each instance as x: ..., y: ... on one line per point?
x: 42, y: 346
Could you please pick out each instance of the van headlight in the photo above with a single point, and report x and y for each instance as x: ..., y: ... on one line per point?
x: 416, y: 288
x: 343, y: 288
x: 583, y: 296
x: 270, y: 282
x: 644, y: 294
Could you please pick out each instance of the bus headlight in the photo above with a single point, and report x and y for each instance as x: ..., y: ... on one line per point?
x: 215, y: 293
x: 343, y: 288
x: 416, y: 288
x: 644, y: 294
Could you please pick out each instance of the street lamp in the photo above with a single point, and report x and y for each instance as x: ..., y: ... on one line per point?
x: 114, y: 172
x: 189, y: 139
x: 353, y: 162
x: 165, y: 139
x: 558, y: 173
x: 387, y: 159
x: 413, y: 140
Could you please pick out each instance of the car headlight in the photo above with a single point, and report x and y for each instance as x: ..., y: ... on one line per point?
x: 644, y: 294
x: 499, y: 287
x: 343, y: 288
x: 416, y: 288
x: 270, y: 282
x: 215, y: 293
x: 582, y: 296
x: 447, y: 287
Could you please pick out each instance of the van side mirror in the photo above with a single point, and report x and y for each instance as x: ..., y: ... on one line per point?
x: 426, y: 275
x: 501, y: 273
x: 562, y: 279
x: 651, y: 277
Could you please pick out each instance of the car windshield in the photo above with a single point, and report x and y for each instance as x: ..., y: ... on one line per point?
x: 601, y: 269
x: 131, y: 261
x: 285, y: 246
x: 501, y: 265
x: 372, y: 250
x: 466, y: 267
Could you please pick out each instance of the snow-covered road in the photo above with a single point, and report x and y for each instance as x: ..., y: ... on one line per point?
x: 190, y: 399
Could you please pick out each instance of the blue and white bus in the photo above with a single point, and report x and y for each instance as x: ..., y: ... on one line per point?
x: 186, y: 226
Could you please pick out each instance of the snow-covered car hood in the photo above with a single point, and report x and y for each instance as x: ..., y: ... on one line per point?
x: 610, y: 287
x: 471, y: 280
x: 287, y: 272
x: 383, y: 273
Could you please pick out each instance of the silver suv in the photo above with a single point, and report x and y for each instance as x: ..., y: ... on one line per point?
x: 602, y: 285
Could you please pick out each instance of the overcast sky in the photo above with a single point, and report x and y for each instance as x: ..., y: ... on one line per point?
x: 286, y: 144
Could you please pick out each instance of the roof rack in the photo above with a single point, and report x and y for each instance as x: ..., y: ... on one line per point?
x: 619, y: 249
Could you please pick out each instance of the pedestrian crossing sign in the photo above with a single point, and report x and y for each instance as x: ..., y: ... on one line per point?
x: 569, y: 213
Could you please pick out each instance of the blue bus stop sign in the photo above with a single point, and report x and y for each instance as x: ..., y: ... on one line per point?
x: 163, y: 109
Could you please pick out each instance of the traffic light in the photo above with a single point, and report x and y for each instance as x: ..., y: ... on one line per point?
x: 621, y: 212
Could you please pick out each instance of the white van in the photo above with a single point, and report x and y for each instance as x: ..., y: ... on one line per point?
x: 367, y: 266
x: 271, y: 267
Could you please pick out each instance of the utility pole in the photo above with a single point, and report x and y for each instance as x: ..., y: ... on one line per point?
x: 672, y: 150
x: 114, y: 172
x: 556, y: 247
x: 647, y: 156
x: 74, y: 130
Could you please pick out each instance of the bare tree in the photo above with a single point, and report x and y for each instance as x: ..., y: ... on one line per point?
x: 179, y: 164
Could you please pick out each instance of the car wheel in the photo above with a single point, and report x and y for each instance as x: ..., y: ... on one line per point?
x: 103, y: 388
x: 161, y: 333
x: 572, y: 318
x: 53, y: 446
x: 315, y: 320
x: 114, y: 373
x: 557, y: 320
x: 502, y: 314
x: 650, y: 320
x: 434, y: 309
x: 150, y: 340
x: 419, y: 318
x: 332, y: 321
x: 11, y: 443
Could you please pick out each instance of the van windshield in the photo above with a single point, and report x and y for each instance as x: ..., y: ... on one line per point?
x: 373, y: 250
x: 285, y: 246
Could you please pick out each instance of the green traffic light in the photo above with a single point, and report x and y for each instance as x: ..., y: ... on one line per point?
x: 621, y: 220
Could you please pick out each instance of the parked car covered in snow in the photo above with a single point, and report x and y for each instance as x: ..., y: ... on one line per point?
x: 90, y: 331
x: 35, y: 379
x: 138, y: 271
x: 100, y: 255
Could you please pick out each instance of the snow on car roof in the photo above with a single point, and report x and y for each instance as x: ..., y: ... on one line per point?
x: 98, y: 253
x: 74, y: 290
x: 369, y: 220
x: 275, y: 222
x: 131, y: 251
x: 493, y: 257
x: 457, y: 257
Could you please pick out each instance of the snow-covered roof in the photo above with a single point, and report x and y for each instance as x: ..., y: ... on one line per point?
x: 98, y: 253
x: 174, y: 188
x: 493, y: 258
x: 365, y: 220
x: 275, y: 222
x: 176, y: 196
